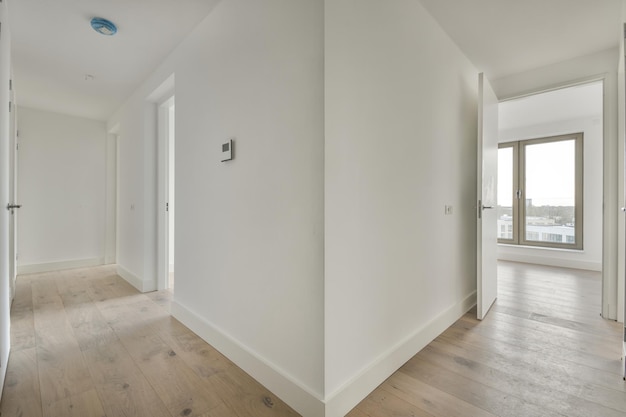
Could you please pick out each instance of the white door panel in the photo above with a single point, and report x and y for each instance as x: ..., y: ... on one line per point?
x: 487, y: 241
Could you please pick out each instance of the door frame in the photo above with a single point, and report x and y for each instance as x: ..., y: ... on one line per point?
x: 163, y: 193
x: 611, y: 300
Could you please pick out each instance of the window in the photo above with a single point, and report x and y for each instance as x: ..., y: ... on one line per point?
x: 540, y: 192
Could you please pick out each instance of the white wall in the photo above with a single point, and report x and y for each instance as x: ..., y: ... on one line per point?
x: 136, y: 194
x: 602, y: 65
x: 5, y: 293
x: 401, y: 123
x: 62, y: 189
x: 249, y: 233
x: 591, y: 255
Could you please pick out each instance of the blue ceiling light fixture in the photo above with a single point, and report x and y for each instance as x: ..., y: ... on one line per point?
x: 103, y: 26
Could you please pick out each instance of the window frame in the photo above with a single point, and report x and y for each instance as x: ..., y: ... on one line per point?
x: 515, y: 206
x: 519, y: 192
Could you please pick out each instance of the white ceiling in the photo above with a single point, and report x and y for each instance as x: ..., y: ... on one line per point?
x: 54, y: 47
x: 504, y: 37
x: 578, y: 102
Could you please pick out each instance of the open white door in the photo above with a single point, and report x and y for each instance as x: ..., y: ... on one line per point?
x: 487, y: 239
x: 621, y: 126
x: 166, y: 137
x: 13, y: 143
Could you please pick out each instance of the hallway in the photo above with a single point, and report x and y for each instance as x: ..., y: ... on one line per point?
x: 85, y: 343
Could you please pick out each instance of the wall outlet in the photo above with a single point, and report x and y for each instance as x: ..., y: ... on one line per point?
x: 447, y: 210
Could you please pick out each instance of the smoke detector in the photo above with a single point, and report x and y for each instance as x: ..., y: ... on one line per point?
x: 103, y: 26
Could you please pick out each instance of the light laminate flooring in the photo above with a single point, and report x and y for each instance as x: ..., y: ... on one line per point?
x: 543, y: 350
x: 84, y: 343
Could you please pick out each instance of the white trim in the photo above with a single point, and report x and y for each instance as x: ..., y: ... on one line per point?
x: 554, y: 87
x: 551, y: 261
x: 295, y: 394
x: 352, y: 392
x: 135, y: 281
x: 58, y: 266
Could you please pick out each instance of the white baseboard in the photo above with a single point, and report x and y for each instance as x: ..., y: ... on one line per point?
x: 58, y: 266
x: 3, y: 371
x: 286, y: 388
x: 300, y: 398
x: 142, y: 285
x: 551, y: 261
x: 339, y: 403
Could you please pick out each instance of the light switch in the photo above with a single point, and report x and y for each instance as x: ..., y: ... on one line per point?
x: 227, y: 151
x: 448, y: 210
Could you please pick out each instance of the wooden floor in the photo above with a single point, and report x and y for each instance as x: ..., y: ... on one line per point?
x: 543, y: 350
x: 85, y: 343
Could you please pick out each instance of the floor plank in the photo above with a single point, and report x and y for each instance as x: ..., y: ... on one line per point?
x: 120, y: 383
x: 381, y: 403
x: 429, y: 398
x: 181, y: 390
x: 86, y: 404
x: 62, y: 368
x: 247, y: 397
x: 21, y: 396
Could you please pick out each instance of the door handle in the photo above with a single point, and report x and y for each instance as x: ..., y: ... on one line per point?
x: 11, y: 207
x: 623, y: 209
x: 481, y: 208
x: 480, y: 205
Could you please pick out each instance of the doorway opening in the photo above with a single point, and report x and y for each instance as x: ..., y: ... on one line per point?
x: 558, y: 205
x: 167, y: 192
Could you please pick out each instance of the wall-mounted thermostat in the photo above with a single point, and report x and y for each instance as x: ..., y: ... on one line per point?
x: 227, y: 150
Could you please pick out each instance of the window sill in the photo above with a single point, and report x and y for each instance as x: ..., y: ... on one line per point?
x: 507, y: 245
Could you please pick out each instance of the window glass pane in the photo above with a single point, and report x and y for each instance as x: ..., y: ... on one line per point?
x: 505, y: 193
x: 550, y: 191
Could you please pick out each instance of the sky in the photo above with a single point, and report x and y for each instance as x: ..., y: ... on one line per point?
x: 550, y: 174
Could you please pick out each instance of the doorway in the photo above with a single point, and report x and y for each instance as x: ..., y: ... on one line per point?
x: 167, y: 192
x: 570, y: 111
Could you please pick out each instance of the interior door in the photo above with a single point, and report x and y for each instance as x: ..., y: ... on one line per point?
x: 487, y: 240
x: 12, y: 194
